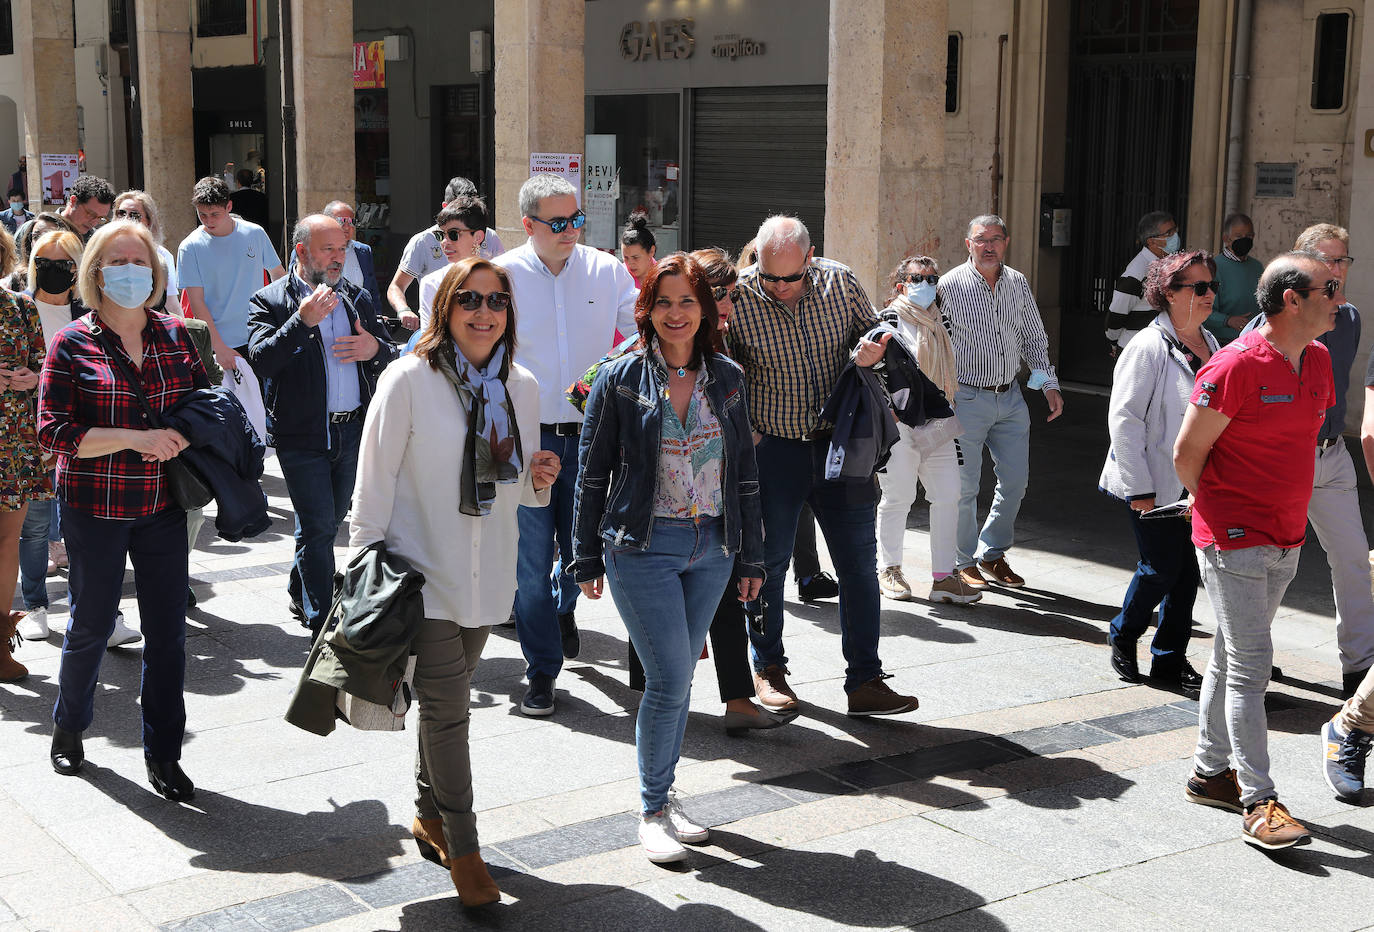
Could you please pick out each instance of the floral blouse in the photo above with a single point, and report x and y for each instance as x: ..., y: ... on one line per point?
x: 691, y: 456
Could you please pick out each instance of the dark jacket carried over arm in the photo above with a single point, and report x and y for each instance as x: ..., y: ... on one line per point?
x: 915, y: 398
x: 226, y: 450
x: 286, y: 354
x: 865, y: 430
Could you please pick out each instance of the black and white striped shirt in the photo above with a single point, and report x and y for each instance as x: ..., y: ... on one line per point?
x: 993, y: 329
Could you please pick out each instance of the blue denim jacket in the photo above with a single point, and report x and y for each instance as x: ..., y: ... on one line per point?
x: 617, y: 470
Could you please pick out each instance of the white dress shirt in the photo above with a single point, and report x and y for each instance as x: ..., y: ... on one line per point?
x: 566, y: 322
x: 406, y: 492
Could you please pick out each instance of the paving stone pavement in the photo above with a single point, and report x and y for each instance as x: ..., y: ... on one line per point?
x: 1031, y: 790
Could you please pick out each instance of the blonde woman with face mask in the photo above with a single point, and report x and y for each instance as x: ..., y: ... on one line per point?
x: 1154, y: 377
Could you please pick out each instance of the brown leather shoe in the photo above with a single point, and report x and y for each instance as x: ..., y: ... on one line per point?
x: 1268, y: 825
x: 876, y: 698
x: 972, y: 578
x: 10, y: 669
x: 472, y: 881
x: 772, y: 689
x: 1001, y: 573
x: 1220, y: 791
x: 429, y: 838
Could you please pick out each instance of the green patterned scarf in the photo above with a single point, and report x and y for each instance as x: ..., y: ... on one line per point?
x: 491, y: 450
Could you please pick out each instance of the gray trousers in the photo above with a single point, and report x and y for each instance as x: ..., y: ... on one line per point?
x: 1335, y: 515
x: 1246, y: 587
x: 446, y: 657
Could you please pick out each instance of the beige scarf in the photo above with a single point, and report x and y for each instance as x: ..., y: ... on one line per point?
x: 934, y: 351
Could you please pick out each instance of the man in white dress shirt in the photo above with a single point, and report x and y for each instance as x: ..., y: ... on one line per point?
x: 571, y: 300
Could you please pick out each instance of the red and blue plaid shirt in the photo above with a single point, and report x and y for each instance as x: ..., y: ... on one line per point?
x: 82, y: 388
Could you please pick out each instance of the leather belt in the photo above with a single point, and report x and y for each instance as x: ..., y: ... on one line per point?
x: 1323, y: 445
x: 563, y: 428
x: 343, y: 417
x: 995, y: 389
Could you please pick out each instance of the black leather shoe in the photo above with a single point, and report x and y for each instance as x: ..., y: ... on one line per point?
x: 820, y: 586
x: 1184, y: 677
x: 190, y: 597
x: 538, y: 699
x: 1123, y: 661
x: 1351, y: 682
x: 572, y: 641
x: 67, y: 755
x: 170, y: 780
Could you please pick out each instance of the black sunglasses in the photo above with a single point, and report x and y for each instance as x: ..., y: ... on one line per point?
x: 720, y: 291
x: 498, y: 301
x: 559, y: 224
x: 67, y: 264
x: 782, y: 278
x: 1329, y: 289
x: 454, y: 235
x: 125, y: 214
x: 1199, y: 288
x: 912, y: 278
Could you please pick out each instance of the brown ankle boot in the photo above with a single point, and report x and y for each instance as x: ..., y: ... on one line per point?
x: 429, y: 838
x: 10, y: 669
x: 470, y: 878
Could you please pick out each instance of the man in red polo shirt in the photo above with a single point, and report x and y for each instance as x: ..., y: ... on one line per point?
x: 1245, y: 454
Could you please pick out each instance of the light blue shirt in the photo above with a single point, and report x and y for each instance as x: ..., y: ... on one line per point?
x: 230, y: 269
x: 341, y: 390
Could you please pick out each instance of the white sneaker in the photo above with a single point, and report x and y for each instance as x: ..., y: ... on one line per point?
x: 893, y: 584
x: 34, y: 625
x: 657, y: 839
x: 684, y: 827
x: 123, y: 634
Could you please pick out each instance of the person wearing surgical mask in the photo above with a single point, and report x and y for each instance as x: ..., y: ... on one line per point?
x: 914, y: 305
x: 1239, y: 273
x: 117, y: 505
x: 1151, y: 386
x: 1129, y: 311
x: 15, y: 214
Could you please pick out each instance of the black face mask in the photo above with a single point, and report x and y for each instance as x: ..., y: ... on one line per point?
x: 1242, y: 245
x: 54, y: 281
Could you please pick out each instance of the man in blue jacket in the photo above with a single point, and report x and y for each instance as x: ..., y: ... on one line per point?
x: 315, y: 341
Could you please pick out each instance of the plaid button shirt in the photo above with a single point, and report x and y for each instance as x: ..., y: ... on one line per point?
x: 792, y: 359
x: 82, y: 388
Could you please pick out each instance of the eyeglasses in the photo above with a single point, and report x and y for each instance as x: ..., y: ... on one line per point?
x: 497, y: 301
x: 1343, y: 261
x: 720, y: 291
x: 989, y: 241
x: 454, y: 234
x: 1199, y: 288
x: 559, y: 224
x: 912, y: 278
x: 125, y: 213
x: 1329, y: 289
x: 346, y: 221
x: 66, y: 264
x: 782, y: 278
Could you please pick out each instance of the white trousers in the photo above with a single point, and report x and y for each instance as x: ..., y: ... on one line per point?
x: 1335, y: 515
x: 938, y: 472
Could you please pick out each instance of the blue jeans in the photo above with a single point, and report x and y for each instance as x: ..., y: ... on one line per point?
x: 1167, y: 577
x: 41, y: 525
x: 791, y: 473
x: 156, y: 545
x: 543, y: 590
x: 1001, y: 422
x: 320, y: 484
x: 667, y: 596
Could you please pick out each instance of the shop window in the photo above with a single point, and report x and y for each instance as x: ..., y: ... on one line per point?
x: 1330, y: 56
x: 952, y: 74
x: 6, y: 29
x: 221, y: 17
x: 645, y: 134
x: 119, y: 23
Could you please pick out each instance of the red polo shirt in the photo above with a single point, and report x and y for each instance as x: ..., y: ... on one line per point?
x: 1256, y: 484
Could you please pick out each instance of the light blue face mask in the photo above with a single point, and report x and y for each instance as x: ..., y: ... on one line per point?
x: 922, y: 294
x: 1173, y: 244
x: 127, y: 285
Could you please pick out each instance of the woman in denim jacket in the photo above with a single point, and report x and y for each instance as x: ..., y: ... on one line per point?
x: 668, y: 488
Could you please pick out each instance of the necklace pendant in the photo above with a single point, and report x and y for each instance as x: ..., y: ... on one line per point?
x: 681, y: 372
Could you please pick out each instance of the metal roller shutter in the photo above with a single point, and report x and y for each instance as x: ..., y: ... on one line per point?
x: 756, y: 151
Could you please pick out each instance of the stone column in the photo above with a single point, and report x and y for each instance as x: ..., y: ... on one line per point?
x: 43, y: 36
x: 885, y: 138
x: 164, y: 93
x: 540, y: 75
x: 322, y: 65
x: 1359, y: 287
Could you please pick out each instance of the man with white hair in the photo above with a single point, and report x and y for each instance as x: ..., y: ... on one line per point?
x: 797, y: 322
x: 571, y: 300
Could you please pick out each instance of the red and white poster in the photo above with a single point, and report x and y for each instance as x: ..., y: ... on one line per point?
x: 369, y: 65
x: 564, y: 164
x: 59, y: 174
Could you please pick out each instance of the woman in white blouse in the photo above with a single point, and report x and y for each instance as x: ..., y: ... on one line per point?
x: 450, y: 448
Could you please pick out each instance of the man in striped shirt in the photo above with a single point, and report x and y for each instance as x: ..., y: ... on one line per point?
x: 994, y: 325
x: 797, y: 322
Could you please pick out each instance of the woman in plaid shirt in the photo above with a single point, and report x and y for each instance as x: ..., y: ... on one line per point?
x: 116, y: 503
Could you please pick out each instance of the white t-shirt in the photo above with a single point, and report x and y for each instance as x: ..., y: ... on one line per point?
x: 53, y: 317
x: 169, y: 264
x: 429, y: 287
x: 230, y: 269
x: 423, y: 254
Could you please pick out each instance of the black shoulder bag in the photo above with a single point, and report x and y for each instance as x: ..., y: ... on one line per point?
x: 185, y: 483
